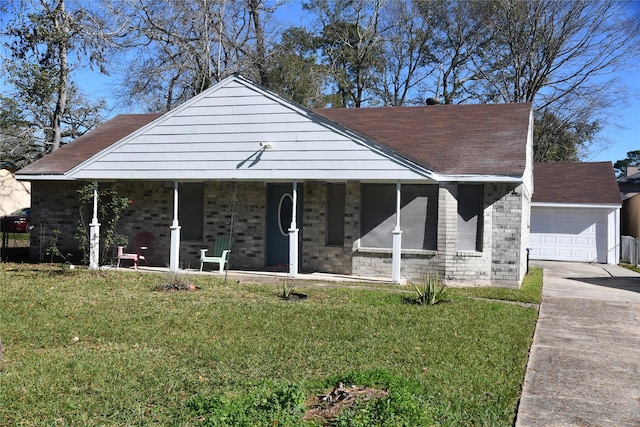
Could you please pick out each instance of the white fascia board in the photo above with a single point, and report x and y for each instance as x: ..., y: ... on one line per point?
x: 482, y: 178
x: 576, y: 205
x: 259, y: 175
x: 528, y: 170
x: 44, y: 178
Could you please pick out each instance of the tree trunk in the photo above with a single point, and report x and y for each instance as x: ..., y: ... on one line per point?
x: 63, y: 76
x: 261, y: 62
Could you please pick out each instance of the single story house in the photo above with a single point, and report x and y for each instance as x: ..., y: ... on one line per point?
x: 388, y: 192
x: 630, y: 192
x: 575, y: 213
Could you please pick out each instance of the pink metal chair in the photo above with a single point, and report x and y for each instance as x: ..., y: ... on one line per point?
x: 141, y: 243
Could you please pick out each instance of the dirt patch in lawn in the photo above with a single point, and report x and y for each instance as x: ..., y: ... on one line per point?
x: 327, y: 407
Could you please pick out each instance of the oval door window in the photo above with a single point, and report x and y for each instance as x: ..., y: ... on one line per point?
x: 285, y: 210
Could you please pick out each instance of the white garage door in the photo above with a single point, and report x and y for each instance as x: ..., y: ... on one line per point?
x: 568, y: 234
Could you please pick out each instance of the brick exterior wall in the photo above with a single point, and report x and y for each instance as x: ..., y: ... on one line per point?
x: 502, y: 260
x: 511, y: 206
x: 249, y: 223
x: 54, y: 206
x: 316, y: 254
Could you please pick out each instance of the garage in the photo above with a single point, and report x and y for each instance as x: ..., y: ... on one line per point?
x: 568, y: 234
x: 575, y: 213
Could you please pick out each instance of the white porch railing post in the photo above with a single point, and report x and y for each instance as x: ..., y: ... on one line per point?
x: 94, y: 233
x: 617, y: 234
x: 174, y: 257
x: 293, y: 234
x: 397, y: 241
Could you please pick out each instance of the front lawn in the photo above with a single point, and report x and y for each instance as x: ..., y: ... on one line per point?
x: 87, y: 348
x: 631, y: 267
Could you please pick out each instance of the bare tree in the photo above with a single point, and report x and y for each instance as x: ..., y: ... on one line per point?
x: 175, y: 50
x: 545, y: 50
x: 408, y: 59
x: 459, y: 41
x: 46, y: 43
x: 560, y: 56
x: 351, y: 46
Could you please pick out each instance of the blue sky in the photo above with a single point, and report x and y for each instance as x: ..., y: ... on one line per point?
x: 623, y: 133
x: 620, y: 135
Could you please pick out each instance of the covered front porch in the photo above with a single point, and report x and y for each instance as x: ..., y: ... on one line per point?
x: 323, y: 236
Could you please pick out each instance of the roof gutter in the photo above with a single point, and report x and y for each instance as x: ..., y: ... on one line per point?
x: 505, y: 179
x: 433, y: 176
x: 577, y: 205
x: 43, y: 177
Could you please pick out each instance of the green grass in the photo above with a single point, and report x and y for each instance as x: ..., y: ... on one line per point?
x: 529, y: 292
x: 631, y: 267
x: 86, y: 348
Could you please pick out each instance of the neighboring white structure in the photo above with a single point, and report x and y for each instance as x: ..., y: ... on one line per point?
x: 14, y: 194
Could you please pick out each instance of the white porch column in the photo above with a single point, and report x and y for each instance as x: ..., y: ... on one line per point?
x: 617, y: 233
x: 94, y: 233
x: 293, y: 234
x: 613, y: 232
x: 397, y: 241
x: 174, y: 257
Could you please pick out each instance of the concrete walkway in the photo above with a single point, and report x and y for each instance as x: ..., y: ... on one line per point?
x: 584, y: 366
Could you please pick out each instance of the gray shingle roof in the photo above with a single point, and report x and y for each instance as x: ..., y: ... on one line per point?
x: 581, y: 183
x: 450, y: 139
x: 629, y: 185
x: 485, y: 139
x: 70, y: 155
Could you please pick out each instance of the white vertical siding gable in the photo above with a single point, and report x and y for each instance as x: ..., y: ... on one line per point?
x: 236, y: 130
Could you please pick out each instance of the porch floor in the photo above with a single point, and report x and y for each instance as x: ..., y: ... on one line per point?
x: 266, y: 276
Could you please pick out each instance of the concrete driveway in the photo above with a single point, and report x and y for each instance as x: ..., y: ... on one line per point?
x: 584, y: 366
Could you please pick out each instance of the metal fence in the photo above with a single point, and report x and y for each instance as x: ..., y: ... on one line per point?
x: 629, y: 253
x: 15, y: 246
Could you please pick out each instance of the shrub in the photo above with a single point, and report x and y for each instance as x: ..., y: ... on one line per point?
x: 110, y: 208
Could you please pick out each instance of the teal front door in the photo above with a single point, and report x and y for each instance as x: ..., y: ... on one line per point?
x: 279, y: 214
